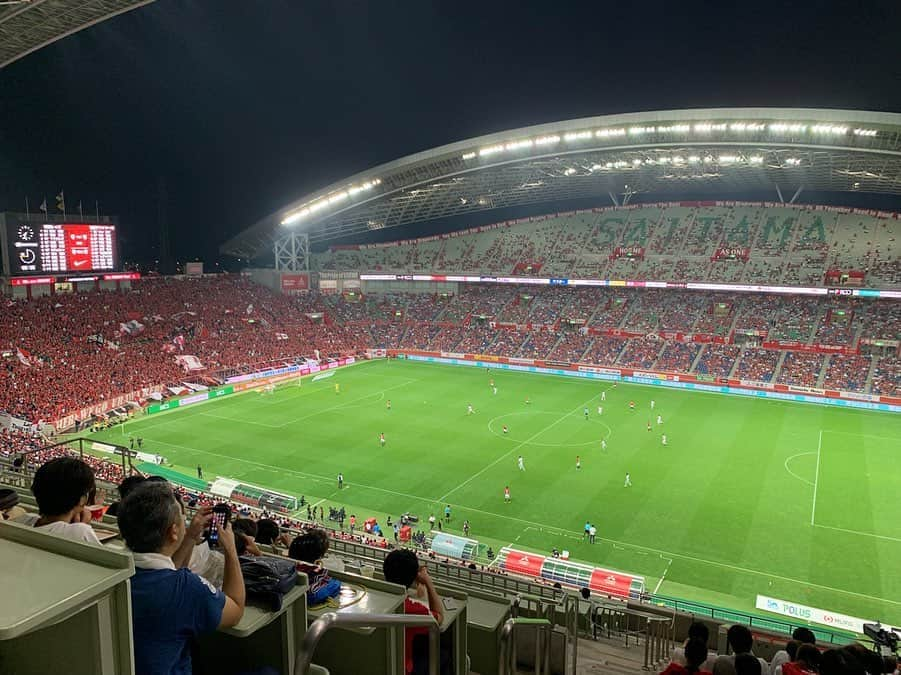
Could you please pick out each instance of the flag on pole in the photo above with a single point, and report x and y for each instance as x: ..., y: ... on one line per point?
x: 80, y: 212
x: 61, y: 201
x: 43, y: 206
x: 23, y: 357
x: 27, y: 213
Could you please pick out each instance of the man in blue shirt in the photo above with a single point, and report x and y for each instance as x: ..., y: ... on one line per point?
x: 172, y: 606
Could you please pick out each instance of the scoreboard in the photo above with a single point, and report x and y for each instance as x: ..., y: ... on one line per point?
x: 61, y: 248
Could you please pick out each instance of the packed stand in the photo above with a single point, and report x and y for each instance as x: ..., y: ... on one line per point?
x: 847, y: 373
x: 801, y: 368
x: 640, y: 352
x: 717, y: 360
x: 757, y: 365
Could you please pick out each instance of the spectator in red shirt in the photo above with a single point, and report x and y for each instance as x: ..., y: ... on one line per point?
x: 695, y: 655
x: 402, y: 567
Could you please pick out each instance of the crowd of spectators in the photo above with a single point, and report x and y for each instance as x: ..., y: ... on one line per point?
x: 640, y: 352
x: 788, y: 245
x: 756, y: 364
x: 678, y: 356
x: 571, y: 347
x: 63, y: 352
x: 801, y: 368
x: 887, y: 376
x: 847, y: 373
x: 538, y: 345
x: 717, y: 360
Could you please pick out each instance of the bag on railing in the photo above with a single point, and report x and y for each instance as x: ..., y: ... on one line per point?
x: 322, y: 586
x: 267, y: 580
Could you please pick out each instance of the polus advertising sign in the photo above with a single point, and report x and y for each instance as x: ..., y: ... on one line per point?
x: 812, y: 614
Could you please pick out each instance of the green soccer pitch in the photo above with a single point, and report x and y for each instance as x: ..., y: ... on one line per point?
x: 790, y: 500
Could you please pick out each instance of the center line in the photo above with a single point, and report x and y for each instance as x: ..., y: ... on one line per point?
x: 517, y: 447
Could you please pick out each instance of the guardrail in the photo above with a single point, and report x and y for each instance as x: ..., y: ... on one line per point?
x: 332, y: 620
x: 505, y: 660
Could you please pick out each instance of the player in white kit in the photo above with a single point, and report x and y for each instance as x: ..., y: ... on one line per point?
x: 628, y: 482
x: 521, y: 463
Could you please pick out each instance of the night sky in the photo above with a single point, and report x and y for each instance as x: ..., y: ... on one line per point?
x: 239, y: 107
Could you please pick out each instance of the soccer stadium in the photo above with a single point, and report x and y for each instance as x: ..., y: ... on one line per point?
x: 636, y: 419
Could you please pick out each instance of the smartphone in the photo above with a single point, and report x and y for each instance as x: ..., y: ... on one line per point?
x: 221, y: 515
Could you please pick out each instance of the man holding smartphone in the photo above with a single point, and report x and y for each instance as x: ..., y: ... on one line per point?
x: 171, y: 606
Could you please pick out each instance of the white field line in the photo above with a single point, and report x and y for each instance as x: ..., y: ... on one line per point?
x: 552, y: 528
x: 515, y: 448
x: 816, y: 479
x: 792, y: 473
x: 346, y: 404
x: 858, y: 532
x: 663, y: 576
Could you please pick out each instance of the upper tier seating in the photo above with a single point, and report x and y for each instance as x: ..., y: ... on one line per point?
x: 786, y: 245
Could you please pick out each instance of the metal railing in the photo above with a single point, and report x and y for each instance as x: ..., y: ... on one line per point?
x: 617, y: 620
x: 506, y: 662
x: 392, y: 621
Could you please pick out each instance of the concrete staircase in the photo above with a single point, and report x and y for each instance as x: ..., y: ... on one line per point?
x: 694, y: 364
x: 822, y: 376
x: 869, y: 383
x: 778, y: 368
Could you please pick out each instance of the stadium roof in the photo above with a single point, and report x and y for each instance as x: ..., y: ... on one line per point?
x: 689, y: 153
x: 28, y: 25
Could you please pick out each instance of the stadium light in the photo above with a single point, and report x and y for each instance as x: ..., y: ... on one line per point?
x: 333, y: 198
x: 728, y: 159
x: 547, y: 140
x: 693, y: 159
x: 674, y: 128
x: 491, y: 150
x: 518, y: 145
x: 829, y: 129
x: 792, y: 161
x: 747, y: 126
x: 706, y: 127
x: 610, y: 133
x: 576, y: 136
x: 569, y: 171
x: 864, y: 132
x: 637, y: 131
x: 756, y: 159
x: 469, y: 155
x: 781, y: 127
